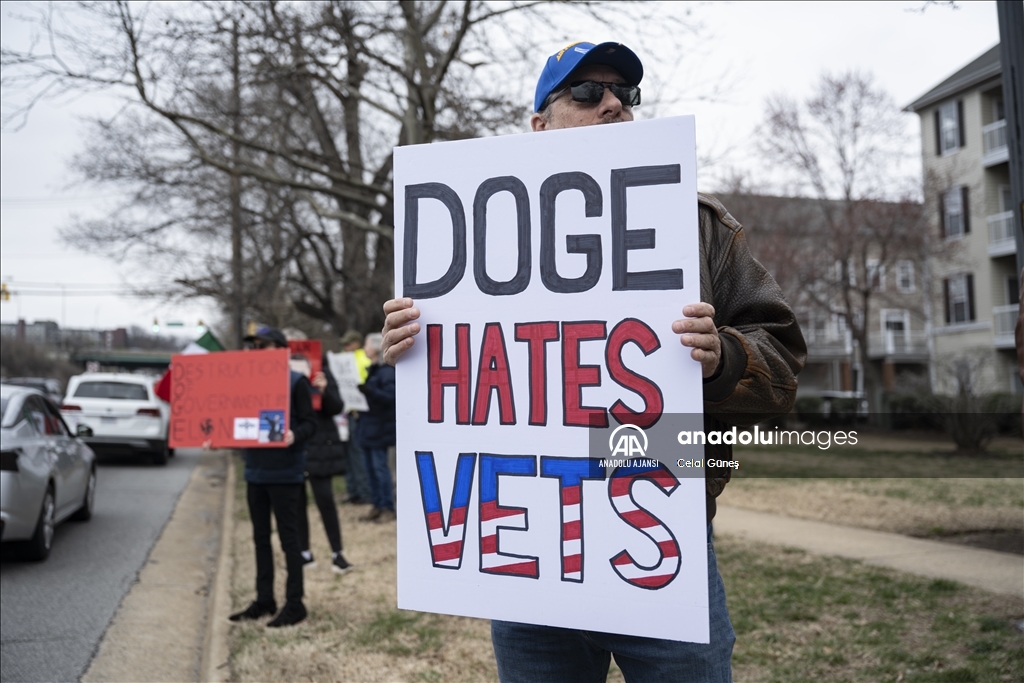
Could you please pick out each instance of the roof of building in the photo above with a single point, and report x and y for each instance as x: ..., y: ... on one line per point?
x: 987, y: 66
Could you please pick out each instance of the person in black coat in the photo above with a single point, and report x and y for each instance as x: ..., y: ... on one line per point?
x: 376, y: 432
x: 274, y: 485
x: 326, y: 458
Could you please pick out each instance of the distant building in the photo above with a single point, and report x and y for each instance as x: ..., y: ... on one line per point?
x: 963, y: 140
x: 46, y: 333
x: 790, y: 237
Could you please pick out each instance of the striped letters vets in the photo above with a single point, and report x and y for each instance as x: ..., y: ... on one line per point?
x: 494, y: 517
x: 446, y: 544
x: 620, y: 492
x: 570, y: 473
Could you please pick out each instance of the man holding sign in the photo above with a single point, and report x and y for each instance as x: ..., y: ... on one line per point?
x: 743, y: 336
x: 274, y: 479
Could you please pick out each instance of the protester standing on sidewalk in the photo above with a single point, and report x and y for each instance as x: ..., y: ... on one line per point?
x: 326, y: 458
x: 274, y: 479
x: 376, y: 431
x: 742, y: 332
x: 356, y: 482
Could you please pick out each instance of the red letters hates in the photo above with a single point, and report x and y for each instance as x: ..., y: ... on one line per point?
x: 494, y: 376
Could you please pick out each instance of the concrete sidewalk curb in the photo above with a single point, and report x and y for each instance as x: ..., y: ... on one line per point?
x: 158, y: 632
x: 215, y: 666
x: 987, y: 569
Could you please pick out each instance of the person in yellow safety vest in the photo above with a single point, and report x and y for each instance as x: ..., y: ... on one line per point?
x: 356, y: 481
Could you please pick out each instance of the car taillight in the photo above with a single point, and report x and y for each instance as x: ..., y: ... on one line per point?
x: 9, y: 461
x: 152, y: 412
x: 69, y: 408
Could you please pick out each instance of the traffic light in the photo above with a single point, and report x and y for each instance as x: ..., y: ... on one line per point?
x: 5, y: 294
x: 156, y: 325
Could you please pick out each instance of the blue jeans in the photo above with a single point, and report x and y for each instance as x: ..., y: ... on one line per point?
x: 357, y: 483
x: 545, y: 654
x: 381, y: 488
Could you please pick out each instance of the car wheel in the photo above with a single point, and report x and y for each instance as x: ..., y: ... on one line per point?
x: 39, y: 545
x: 160, y: 457
x: 84, y: 513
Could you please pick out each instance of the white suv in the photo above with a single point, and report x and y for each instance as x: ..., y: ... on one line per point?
x: 123, y: 412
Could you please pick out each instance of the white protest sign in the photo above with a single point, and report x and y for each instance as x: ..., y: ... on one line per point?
x: 548, y: 269
x: 346, y: 372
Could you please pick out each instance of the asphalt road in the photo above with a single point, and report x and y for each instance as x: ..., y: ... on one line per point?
x: 55, y: 612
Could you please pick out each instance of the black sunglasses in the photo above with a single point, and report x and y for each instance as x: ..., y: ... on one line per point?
x: 592, y: 92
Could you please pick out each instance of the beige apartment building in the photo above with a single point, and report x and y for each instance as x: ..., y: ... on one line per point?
x: 790, y: 237
x: 974, y: 280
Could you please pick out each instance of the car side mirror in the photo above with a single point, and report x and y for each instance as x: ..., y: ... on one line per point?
x: 83, y: 430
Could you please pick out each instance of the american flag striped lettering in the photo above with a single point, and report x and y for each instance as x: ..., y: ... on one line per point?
x: 666, y: 568
x: 495, y: 517
x: 571, y: 472
x: 446, y: 542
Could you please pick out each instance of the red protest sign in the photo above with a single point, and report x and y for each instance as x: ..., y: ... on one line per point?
x: 233, y: 399
x: 307, y: 358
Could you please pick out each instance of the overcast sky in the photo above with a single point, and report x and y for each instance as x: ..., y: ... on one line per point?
x: 764, y: 48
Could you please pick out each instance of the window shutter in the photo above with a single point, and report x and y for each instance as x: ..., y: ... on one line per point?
x: 942, y: 215
x: 960, y: 122
x: 970, y: 297
x: 945, y: 299
x: 938, y: 134
x: 966, y: 208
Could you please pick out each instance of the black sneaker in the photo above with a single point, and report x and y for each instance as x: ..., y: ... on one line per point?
x: 254, y: 611
x: 339, y: 564
x: 307, y: 560
x: 293, y: 613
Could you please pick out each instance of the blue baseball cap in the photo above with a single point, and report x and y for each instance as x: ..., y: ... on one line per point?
x: 571, y: 57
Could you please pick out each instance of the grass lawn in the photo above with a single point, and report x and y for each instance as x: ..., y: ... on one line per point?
x: 798, y: 617
x: 914, y: 487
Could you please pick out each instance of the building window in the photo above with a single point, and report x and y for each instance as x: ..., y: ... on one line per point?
x: 876, y: 274
x: 905, y: 276
x: 953, y: 212
x: 1012, y: 290
x: 959, y: 298
x: 851, y: 274
x: 949, y: 129
x: 895, y: 329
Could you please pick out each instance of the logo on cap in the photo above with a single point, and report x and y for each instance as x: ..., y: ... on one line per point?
x: 561, y: 52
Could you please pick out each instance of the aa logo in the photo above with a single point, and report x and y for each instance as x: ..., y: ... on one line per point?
x: 628, y: 441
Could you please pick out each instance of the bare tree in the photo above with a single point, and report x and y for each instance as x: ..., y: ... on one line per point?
x: 256, y: 137
x: 839, y: 148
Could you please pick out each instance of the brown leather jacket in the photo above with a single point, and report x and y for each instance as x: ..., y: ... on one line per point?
x: 762, y: 346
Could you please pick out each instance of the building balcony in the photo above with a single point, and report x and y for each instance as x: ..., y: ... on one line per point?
x: 996, y: 150
x: 1001, y: 241
x: 1004, y: 319
x: 898, y: 345
x: 829, y: 347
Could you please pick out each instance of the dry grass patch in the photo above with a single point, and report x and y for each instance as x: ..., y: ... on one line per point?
x: 887, y: 483
x: 354, y: 631
x: 799, y: 617
x: 916, y: 507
